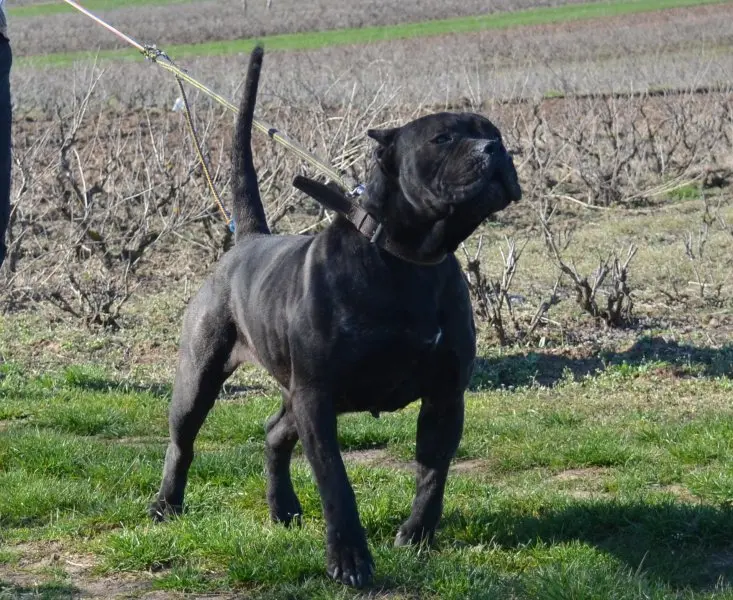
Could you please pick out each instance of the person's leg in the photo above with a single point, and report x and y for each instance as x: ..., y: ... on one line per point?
x: 6, y: 60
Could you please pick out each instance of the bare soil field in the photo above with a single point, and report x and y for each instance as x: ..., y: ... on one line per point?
x: 233, y: 19
x: 668, y: 49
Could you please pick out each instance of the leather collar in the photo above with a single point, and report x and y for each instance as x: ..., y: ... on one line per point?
x: 364, y: 222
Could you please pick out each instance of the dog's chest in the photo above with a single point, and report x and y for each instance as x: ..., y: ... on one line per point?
x: 387, y: 367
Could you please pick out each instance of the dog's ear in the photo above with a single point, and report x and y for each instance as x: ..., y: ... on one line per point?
x: 384, y: 137
x: 384, y: 152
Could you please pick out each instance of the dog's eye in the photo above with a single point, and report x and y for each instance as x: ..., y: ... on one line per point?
x: 443, y: 138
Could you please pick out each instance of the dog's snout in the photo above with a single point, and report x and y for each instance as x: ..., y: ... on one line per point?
x: 490, y: 146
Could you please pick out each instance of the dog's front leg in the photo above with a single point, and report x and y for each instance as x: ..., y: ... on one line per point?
x: 348, y: 556
x: 439, y: 430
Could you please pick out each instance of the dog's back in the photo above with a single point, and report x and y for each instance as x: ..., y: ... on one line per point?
x: 249, y: 214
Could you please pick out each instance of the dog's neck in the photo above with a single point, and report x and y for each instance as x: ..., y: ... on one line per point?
x: 410, y: 248
x: 388, y: 220
x: 428, y: 237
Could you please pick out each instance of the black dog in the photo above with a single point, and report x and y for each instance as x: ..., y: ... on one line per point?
x: 345, y: 323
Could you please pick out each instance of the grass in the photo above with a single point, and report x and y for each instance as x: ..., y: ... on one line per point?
x: 365, y: 35
x: 54, y: 8
x: 614, y: 485
x: 686, y: 192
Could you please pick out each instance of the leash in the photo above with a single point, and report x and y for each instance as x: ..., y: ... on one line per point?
x: 205, y: 167
x: 160, y: 58
x: 339, y: 201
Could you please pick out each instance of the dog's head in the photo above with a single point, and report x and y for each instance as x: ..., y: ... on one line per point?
x: 438, y: 177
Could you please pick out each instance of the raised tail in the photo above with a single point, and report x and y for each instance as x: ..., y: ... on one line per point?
x: 248, y: 212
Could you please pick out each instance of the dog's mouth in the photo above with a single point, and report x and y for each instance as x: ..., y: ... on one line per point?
x: 498, y: 187
x: 489, y: 178
x: 507, y: 178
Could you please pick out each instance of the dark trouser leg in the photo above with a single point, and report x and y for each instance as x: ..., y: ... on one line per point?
x: 439, y: 430
x: 6, y: 60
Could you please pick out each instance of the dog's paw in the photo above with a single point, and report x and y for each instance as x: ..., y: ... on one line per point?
x: 160, y: 510
x: 409, y: 535
x: 286, y: 512
x: 350, y: 564
x: 285, y: 508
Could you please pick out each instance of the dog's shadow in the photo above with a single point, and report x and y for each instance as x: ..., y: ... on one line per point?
x: 683, y: 546
x: 518, y: 370
x: 548, y: 369
x: 93, y: 383
x: 48, y: 591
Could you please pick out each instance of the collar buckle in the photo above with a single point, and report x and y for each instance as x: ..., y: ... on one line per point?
x: 363, y: 222
x: 377, y: 234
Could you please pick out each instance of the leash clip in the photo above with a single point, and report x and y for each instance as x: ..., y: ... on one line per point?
x: 377, y: 234
x: 152, y: 52
x: 357, y: 191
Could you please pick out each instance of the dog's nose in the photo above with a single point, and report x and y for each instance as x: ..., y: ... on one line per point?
x: 490, y: 146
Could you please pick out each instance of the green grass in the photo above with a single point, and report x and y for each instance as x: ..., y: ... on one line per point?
x: 686, y: 192
x: 319, y: 39
x: 54, y: 8
x: 611, y: 485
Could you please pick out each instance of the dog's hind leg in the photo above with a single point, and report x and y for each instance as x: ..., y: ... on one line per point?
x: 206, y: 360
x: 439, y: 429
x: 282, y: 435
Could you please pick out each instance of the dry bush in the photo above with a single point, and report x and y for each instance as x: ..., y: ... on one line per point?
x: 617, y: 309
x: 724, y: 225
x: 493, y: 299
x: 610, y: 150
x: 93, y: 196
x: 707, y: 280
x: 109, y: 202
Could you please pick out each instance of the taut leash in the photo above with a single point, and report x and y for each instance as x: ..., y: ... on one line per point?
x: 159, y: 57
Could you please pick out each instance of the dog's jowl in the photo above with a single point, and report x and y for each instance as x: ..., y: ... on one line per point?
x: 345, y: 322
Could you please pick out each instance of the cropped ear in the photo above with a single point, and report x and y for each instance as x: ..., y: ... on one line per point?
x: 384, y: 137
x: 384, y: 152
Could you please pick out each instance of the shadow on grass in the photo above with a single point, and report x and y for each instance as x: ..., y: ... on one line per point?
x: 94, y: 380
x: 78, y: 378
x: 548, y: 369
x: 543, y: 368
x: 47, y: 591
x: 680, y: 545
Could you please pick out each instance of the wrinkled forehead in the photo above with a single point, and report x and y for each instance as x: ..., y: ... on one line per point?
x: 468, y: 125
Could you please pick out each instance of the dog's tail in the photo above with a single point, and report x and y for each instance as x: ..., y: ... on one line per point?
x: 249, y: 214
